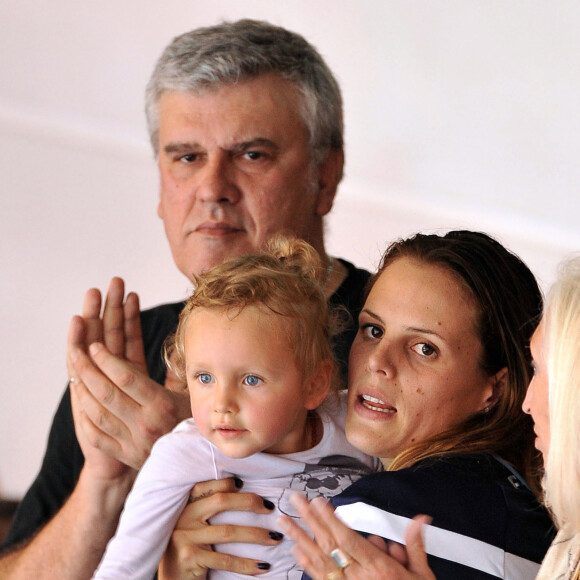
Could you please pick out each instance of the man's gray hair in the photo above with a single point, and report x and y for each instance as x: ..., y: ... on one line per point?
x: 231, y: 52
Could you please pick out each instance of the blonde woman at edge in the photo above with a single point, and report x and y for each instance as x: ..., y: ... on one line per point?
x: 553, y: 401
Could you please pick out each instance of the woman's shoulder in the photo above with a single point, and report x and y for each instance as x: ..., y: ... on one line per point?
x: 473, y: 499
x: 471, y: 479
x: 470, y: 494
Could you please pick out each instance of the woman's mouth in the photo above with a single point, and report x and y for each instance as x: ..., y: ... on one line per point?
x: 375, y: 404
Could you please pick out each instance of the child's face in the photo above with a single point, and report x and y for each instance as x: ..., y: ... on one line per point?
x: 247, y: 394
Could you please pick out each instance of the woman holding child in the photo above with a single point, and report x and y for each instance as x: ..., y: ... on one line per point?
x: 437, y: 376
x: 553, y: 402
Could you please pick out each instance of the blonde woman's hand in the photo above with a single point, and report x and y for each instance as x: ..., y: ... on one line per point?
x: 367, y: 558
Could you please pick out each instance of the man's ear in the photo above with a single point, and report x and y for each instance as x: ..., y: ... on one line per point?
x: 318, y: 384
x: 329, y: 176
x: 160, y: 209
x: 496, y: 387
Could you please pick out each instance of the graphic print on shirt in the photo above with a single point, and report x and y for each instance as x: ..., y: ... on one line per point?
x: 331, y: 476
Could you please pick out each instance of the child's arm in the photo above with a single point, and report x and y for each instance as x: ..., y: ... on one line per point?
x: 152, y: 509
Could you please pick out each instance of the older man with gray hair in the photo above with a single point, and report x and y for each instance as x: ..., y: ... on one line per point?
x: 245, y: 119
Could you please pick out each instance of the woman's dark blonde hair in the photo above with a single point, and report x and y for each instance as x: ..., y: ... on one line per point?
x: 286, y: 280
x: 509, y: 304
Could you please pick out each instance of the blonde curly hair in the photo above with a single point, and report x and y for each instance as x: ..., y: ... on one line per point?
x: 286, y: 279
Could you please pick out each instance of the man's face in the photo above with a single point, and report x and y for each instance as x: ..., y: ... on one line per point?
x: 235, y: 168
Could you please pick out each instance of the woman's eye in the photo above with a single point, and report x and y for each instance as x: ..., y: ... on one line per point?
x: 372, y: 330
x: 204, y: 378
x: 424, y: 349
x: 252, y: 380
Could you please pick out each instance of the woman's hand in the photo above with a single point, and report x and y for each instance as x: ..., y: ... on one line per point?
x: 365, y: 558
x: 190, y: 553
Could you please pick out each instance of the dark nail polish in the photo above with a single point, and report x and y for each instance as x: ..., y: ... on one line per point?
x: 263, y: 566
x: 238, y: 482
x: 276, y: 535
x: 268, y: 504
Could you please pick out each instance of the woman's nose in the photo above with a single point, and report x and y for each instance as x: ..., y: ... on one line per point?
x: 380, y: 361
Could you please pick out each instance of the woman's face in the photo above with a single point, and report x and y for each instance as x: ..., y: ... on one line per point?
x: 414, y: 367
x: 536, y: 402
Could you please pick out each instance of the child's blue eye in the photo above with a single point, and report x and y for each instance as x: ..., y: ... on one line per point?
x: 204, y: 378
x: 252, y: 380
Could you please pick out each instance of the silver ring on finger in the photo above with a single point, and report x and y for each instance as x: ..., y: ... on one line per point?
x: 342, y: 560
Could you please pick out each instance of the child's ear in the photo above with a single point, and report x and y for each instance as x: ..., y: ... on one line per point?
x: 318, y: 384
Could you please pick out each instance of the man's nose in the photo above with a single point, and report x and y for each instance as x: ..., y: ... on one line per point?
x: 217, y: 180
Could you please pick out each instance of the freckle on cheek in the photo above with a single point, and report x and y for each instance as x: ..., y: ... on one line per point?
x: 419, y: 391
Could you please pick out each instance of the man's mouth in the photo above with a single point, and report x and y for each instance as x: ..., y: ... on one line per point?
x: 216, y: 229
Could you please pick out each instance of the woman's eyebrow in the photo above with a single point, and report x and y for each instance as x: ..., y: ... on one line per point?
x: 421, y: 330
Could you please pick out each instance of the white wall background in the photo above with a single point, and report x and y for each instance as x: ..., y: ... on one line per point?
x: 459, y: 113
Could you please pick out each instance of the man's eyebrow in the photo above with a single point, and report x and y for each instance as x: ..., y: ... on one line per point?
x: 242, y: 147
x: 257, y: 142
x: 180, y: 147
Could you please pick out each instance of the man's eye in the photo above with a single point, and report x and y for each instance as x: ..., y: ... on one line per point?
x: 204, y: 378
x: 372, y: 330
x: 424, y: 349
x: 252, y: 380
x: 253, y: 155
x: 188, y: 158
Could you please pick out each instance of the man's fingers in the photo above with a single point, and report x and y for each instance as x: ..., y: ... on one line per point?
x: 75, y: 341
x: 98, y: 400
x: 95, y: 437
x: 134, y: 349
x: 113, y: 318
x: 76, y: 333
x: 92, y: 304
x: 124, y: 379
x: 92, y: 315
x: 105, y: 404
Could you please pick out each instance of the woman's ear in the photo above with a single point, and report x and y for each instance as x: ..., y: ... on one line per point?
x: 495, y: 390
x: 318, y: 384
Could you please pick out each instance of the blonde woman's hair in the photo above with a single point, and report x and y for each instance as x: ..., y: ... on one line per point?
x: 562, y: 348
x: 287, y: 280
